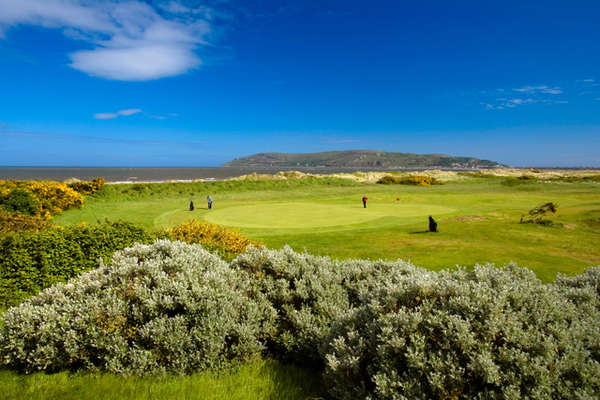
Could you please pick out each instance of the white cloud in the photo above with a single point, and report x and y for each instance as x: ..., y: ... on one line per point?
x: 105, y: 115
x: 129, y: 111
x: 130, y: 41
x: 175, y: 7
x: 124, y: 113
x: 539, y: 89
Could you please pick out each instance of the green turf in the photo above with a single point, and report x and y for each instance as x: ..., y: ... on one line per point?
x: 314, y: 215
x: 478, y: 219
x: 258, y: 380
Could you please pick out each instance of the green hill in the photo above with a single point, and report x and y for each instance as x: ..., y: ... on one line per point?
x: 360, y: 159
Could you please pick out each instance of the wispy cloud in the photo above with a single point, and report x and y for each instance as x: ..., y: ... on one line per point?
x: 163, y: 116
x: 120, y: 113
x: 539, y: 89
x: 525, y: 95
x: 130, y: 41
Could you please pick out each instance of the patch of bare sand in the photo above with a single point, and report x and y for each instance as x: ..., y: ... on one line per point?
x: 469, y: 218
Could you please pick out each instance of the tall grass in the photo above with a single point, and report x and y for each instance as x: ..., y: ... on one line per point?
x: 136, y: 191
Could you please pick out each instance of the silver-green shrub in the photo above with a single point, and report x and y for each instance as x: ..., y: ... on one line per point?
x: 165, y: 307
x: 311, y: 292
x: 493, y: 333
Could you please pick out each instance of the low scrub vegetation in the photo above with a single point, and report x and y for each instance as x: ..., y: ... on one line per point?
x: 34, y: 254
x: 49, y: 197
x: 417, y: 180
x: 87, y: 187
x: 227, y: 243
x: 32, y: 261
x: 17, y: 222
x: 19, y: 201
x: 376, y: 329
x: 169, y: 307
x: 538, y: 215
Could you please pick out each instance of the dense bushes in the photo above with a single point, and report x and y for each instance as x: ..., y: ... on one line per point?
x: 385, y: 330
x: 418, y: 180
x: 310, y: 293
x: 392, y: 331
x: 31, y: 261
x: 50, y: 197
x: 490, y: 333
x: 33, y: 257
x: 87, y: 187
x: 166, y: 307
x: 19, y: 201
x: 215, y: 238
x: 17, y: 222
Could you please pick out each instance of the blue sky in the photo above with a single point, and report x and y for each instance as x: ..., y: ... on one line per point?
x: 198, y: 83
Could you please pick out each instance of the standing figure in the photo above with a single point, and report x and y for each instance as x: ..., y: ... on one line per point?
x: 209, y: 200
x: 432, y: 225
x: 191, y: 205
x: 364, y: 199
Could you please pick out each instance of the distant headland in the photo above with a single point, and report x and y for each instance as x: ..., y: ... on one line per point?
x: 360, y: 159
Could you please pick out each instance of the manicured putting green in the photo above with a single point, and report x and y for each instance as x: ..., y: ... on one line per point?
x: 308, y: 214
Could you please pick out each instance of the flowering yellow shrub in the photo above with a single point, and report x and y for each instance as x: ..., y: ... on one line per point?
x: 227, y: 242
x: 51, y: 197
x: 87, y: 187
x: 16, y: 222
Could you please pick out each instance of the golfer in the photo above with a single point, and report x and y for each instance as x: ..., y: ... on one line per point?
x: 364, y: 199
x: 209, y: 200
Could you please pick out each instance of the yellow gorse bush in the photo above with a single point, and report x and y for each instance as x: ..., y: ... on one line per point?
x: 16, y: 222
x: 87, y: 187
x: 194, y: 231
x: 51, y: 197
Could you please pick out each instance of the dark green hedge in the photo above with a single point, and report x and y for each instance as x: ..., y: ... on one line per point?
x: 30, y: 262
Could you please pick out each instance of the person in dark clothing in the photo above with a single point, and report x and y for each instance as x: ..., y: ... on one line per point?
x: 191, y: 205
x: 432, y: 225
x: 364, y: 199
x: 209, y: 200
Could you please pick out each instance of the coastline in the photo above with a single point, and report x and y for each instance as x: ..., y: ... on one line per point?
x: 148, y: 175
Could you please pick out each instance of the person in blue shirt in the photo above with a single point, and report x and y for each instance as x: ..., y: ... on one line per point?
x: 209, y: 200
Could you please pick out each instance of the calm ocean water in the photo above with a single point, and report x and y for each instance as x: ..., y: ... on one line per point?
x: 145, y: 174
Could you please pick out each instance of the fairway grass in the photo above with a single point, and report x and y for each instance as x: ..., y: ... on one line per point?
x: 478, y: 219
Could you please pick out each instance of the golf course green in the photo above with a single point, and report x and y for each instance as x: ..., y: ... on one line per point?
x: 478, y: 218
x: 312, y: 215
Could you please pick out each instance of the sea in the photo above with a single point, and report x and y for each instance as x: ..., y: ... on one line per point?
x: 152, y: 174
x: 178, y: 174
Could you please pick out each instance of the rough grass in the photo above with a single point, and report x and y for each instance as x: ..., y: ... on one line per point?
x: 478, y: 218
x: 264, y: 379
